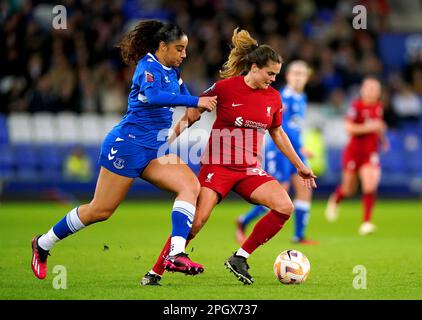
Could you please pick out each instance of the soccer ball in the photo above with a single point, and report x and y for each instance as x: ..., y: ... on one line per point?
x: 291, y: 267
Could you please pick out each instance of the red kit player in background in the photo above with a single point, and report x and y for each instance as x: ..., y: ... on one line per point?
x: 247, y: 106
x: 365, y: 125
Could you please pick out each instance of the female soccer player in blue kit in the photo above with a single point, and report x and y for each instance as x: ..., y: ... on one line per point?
x: 294, y: 109
x: 131, y: 149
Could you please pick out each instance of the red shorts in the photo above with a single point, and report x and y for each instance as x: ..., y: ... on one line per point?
x: 352, y: 160
x: 222, y: 179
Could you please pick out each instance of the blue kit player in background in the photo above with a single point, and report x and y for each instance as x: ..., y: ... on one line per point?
x: 131, y: 149
x: 277, y: 165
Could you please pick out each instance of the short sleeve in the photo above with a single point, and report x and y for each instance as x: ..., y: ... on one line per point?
x: 278, y: 115
x: 352, y: 113
x: 149, y: 76
x: 211, y: 91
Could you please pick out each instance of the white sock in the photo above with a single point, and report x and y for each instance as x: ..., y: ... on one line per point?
x: 48, y: 240
x: 242, y: 253
x: 177, y: 245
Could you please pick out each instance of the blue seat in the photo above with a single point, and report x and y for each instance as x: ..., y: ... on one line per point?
x: 393, y: 161
x: 6, y: 162
x: 24, y: 156
x: 4, y: 139
x: 50, y: 162
x: 334, y: 157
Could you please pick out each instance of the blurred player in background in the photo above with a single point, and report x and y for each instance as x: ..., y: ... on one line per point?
x: 130, y: 150
x: 247, y: 106
x: 277, y: 165
x: 366, y: 127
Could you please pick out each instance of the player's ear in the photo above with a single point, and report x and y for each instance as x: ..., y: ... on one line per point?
x: 254, y: 68
x: 162, y: 46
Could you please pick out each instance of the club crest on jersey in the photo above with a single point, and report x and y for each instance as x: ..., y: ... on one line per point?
x: 119, y: 163
x: 269, y: 111
x: 149, y: 77
x: 209, y: 177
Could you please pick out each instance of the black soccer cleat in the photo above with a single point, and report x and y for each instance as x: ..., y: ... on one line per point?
x: 151, y: 280
x: 239, y: 267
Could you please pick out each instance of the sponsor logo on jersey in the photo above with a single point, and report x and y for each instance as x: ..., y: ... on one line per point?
x: 238, y: 122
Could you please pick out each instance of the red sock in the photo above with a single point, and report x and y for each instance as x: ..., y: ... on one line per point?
x: 158, y: 266
x: 368, y: 200
x: 338, y: 195
x: 266, y: 228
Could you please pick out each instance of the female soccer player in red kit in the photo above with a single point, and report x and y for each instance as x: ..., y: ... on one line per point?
x: 365, y: 125
x: 247, y: 106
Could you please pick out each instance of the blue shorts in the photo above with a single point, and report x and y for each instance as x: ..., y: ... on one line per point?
x: 277, y: 165
x: 123, y: 157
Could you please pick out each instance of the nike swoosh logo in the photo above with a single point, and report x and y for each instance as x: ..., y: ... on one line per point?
x: 236, y: 104
x: 113, y: 151
x: 189, y: 224
x: 119, y: 139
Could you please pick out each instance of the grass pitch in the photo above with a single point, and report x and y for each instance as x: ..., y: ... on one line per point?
x: 107, y: 260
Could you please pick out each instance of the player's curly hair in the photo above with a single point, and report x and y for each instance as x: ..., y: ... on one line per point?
x: 146, y: 37
x: 245, y: 52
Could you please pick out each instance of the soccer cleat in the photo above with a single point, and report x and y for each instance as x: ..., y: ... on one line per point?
x: 367, y: 228
x: 240, y: 231
x: 304, y: 241
x: 39, y: 259
x: 181, y: 263
x: 239, y: 267
x: 331, y: 211
x: 151, y: 279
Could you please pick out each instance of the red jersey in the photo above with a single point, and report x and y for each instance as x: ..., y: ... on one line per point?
x: 360, y: 113
x: 243, y: 116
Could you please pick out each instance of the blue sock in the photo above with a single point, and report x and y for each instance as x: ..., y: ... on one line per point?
x: 182, y: 218
x: 254, y: 213
x: 65, y: 227
x: 302, y: 209
x: 68, y: 225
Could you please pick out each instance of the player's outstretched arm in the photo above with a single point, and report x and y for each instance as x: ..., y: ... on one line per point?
x: 283, y: 143
x: 188, y: 119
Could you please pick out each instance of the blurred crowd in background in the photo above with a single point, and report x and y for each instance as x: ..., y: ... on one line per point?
x: 79, y: 68
x: 62, y: 90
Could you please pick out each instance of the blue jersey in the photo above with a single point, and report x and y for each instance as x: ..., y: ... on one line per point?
x: 294, y: 109
x: 155, y: 90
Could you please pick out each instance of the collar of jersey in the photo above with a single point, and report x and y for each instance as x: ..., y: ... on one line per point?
x: 155, y: 59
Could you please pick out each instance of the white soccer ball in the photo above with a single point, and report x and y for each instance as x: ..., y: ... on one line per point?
x: 291, y: 267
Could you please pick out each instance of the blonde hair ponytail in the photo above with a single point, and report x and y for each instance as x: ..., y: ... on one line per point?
x: 242, y: 43
x: 244, y: 53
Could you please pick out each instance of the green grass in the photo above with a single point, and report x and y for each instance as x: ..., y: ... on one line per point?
x: 136, y: 232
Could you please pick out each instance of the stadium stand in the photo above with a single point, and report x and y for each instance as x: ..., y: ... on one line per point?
x: 66, y: 88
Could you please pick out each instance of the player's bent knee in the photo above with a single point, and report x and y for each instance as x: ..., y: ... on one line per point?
x: 189, y: 190
x: 98, y: 214
x: 286, y: 208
